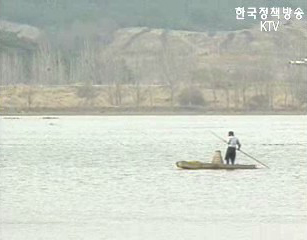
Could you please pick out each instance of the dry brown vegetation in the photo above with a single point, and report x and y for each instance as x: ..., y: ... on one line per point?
x: 103, y: 99
x: 244, y: 70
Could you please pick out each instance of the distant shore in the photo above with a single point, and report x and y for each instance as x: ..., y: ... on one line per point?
x: 142, y: 111
x: 70, y: 100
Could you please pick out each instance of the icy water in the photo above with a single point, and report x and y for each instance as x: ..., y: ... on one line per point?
x: 115, y: 178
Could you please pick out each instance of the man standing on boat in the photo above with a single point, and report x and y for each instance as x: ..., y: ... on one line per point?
x: 233, y: 142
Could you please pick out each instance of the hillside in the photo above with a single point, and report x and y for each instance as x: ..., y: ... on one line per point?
x: 191, y: 15
x: 241, y: 70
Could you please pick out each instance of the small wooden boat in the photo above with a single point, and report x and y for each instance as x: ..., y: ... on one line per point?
x: 200, y: 165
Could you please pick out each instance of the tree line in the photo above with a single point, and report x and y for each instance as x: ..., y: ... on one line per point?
x: 257, y: 84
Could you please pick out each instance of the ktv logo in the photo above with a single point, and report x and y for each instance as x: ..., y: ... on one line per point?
x: 268, y: 26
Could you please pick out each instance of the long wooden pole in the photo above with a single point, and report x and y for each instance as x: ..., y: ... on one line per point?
x: 240, y: 150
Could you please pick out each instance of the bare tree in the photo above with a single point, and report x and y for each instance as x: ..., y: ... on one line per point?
x: 116, y: 74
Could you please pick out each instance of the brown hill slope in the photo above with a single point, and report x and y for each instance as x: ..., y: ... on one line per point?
x: 240, y: 70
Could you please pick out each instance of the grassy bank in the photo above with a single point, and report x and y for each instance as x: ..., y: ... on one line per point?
x: 139, y: 100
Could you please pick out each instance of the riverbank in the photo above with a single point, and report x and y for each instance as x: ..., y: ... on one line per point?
x: 142, y: 111
x: 141, y: 100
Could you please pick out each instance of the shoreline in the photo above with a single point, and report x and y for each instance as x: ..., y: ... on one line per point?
x: 164, y: 112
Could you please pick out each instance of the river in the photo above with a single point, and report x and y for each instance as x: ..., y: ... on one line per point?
x: 114, y: 177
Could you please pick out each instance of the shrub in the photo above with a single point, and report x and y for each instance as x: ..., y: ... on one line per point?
x: 258, y: 102
x: 191, y: 97
x: 301, y: 95
x: 87, y: 91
